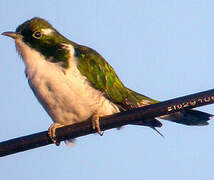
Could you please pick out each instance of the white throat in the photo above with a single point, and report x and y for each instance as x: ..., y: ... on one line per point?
x: 30, y: 56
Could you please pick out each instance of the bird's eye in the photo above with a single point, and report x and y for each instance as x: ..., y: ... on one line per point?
x: 37, y: 35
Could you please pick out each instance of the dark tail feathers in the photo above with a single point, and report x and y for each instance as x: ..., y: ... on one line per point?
x: 189, y: 117
x: 149, y: 122
x: 152, y: 123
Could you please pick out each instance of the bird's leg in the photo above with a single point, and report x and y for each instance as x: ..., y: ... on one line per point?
x: 96, y: 124
x: 52, y: 132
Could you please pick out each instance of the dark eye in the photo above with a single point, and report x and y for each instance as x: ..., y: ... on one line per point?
x: 37, y: 35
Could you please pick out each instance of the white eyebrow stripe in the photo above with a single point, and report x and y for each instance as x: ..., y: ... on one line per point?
x: 47, y: 31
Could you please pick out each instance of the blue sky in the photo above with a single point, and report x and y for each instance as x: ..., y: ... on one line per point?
x: 163, y: 49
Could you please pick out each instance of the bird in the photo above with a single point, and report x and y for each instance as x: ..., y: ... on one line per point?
x: 74, y: 83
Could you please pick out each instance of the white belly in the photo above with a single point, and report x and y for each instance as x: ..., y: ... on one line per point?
x: 67, y: 97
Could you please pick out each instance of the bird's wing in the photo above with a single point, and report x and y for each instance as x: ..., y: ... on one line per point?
x: 103, y: 77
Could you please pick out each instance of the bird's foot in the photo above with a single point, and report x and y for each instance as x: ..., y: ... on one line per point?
x: 52, y: 132
x: 69, y: 142
x: 96, y: 124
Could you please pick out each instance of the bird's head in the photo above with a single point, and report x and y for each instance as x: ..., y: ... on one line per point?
x: 41, y: 36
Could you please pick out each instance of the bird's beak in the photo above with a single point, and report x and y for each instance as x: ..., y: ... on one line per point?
x: 13, y: 35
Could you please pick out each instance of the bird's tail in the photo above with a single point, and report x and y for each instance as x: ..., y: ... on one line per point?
x: 189, y: 117
x: 152, y: 123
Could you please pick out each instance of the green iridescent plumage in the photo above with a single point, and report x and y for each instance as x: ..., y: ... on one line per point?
x: 103, y: 77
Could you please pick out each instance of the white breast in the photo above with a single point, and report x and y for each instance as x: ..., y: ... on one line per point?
x: 67, y: 97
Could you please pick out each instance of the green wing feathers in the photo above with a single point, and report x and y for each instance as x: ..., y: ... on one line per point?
x: 103, y: 77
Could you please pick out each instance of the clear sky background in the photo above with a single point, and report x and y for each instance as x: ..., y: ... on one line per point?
x: 163, y: 49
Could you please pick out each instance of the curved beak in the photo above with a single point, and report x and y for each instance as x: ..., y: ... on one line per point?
x: 13, y: 35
